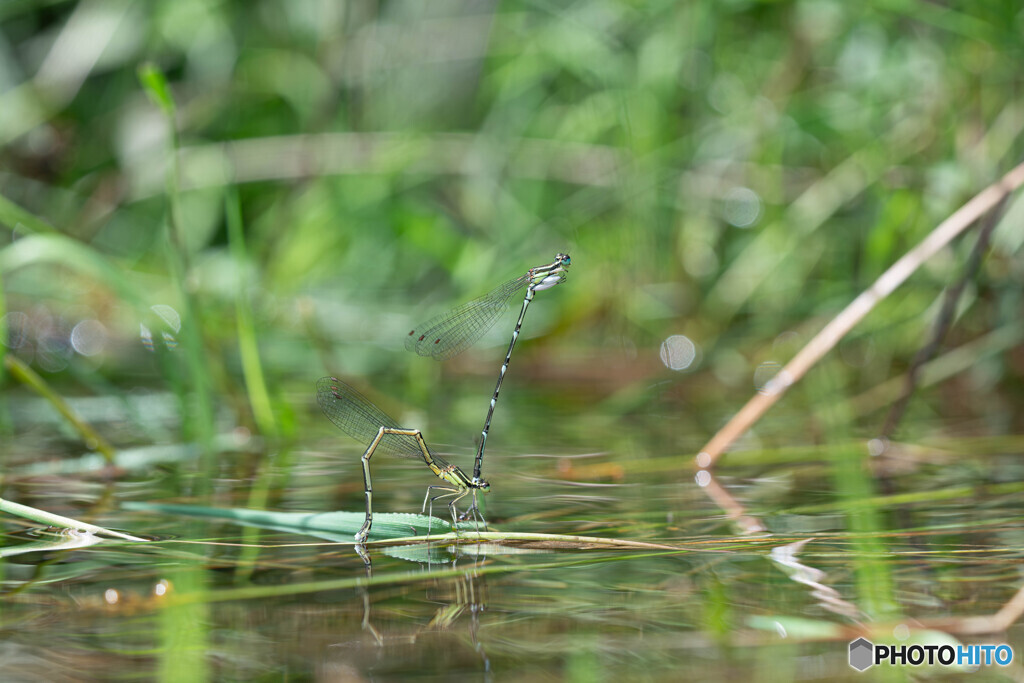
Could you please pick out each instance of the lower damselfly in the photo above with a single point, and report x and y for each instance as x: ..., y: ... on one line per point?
x: 451, y: 333
x: 355, y: 415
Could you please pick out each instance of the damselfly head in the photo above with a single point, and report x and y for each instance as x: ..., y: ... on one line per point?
x: 481, y: 484
x: 563, y: 260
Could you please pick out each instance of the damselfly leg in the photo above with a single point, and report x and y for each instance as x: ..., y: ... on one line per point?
x: 456, y: 494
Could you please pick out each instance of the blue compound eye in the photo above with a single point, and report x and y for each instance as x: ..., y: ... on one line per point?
x: 566, y: 261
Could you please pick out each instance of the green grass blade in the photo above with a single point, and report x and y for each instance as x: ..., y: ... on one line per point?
x: 334, y: 526
x: 50, y: 519
x: 14, y: 216
x: 198, y: 421
x: 248, y: 345
x: 4, y: 422
x: 184, y: 626
x: 64, y: 539
x: 78, y: 257
x: 26, y: 375
x: 394, y: 526
x: 155, y: 84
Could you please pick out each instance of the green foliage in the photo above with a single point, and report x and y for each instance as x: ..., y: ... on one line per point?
x: 156, y: 87
x: 234, y: 198
x: 415, y: 154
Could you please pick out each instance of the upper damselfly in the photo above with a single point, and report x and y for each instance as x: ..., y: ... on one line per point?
x: 451, y: 333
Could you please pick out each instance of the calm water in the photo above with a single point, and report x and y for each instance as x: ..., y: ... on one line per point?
x: 939, y: 536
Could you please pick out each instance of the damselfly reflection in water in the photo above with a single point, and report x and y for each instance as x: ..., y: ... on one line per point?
x: 355, y: 415
x: 451, y: 333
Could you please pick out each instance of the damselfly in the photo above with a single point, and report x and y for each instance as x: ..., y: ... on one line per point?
x: 451, y: 333
x: 355, y: 415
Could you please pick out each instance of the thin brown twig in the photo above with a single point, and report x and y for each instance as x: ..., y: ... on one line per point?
x: 998, y: 622
x: 942, y: 322
x: 839, y: 326
x: 735, y: 510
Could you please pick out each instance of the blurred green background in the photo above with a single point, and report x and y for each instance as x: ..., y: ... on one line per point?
x: 732, y: 172
x: 208, y: 205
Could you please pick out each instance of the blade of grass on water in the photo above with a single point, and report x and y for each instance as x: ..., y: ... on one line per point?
x: 50, y: 519
x: 340, y: 526
x: 335, y: 526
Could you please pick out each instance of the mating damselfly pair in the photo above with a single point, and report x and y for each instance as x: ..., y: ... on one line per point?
x: 441, y: 338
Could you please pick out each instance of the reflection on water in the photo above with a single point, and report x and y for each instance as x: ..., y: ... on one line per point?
x: 49, y: 540
x: 786, y: 556
x: 783, y: 592
x: 459, y: 601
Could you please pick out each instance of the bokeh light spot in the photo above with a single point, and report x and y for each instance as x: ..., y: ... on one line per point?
x: 169, y: 316
x: 89, y: 337
x: 146, y: 336
x: 765, y: 373
x: 678, y: 352
x: 742, y: 207
x: 17, y: 324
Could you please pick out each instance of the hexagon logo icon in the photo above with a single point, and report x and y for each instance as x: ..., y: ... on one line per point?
x: 861, y: 654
